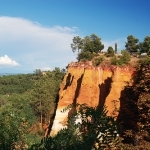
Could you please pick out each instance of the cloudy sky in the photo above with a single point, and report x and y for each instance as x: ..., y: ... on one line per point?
x: 36, y: 34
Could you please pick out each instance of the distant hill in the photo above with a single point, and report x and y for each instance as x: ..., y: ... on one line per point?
x: 6, y: 74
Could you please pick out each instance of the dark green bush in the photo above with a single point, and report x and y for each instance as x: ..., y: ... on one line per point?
x: 116, y: 61
x: 97, y: 61
x: 110, y: 52
x: 85, y: 56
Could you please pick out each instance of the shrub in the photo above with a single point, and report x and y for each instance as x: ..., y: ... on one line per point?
x: 116, y: 61
x: 95, y: 130
x: 97, y: 61
x: 144, y: 61
x: 110, y: 52
x: 85, y: 55
x: 125, y: 58
x: 121, y: 60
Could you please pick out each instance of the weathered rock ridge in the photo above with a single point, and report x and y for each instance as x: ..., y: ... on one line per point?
x: 95, y: 86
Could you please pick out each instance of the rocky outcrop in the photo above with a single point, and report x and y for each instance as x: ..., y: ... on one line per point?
x: 95, y: 86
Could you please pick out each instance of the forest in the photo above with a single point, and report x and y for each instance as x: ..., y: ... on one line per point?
x: 28, y: 101
x: 26, y: 104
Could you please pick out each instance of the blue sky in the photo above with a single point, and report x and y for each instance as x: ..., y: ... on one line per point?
x: 36, y: 34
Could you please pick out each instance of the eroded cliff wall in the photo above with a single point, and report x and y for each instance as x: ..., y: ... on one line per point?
x: 95, y: 86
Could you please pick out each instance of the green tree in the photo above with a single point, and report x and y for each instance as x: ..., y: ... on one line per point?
x: 93, y: 44
x: 115, y: 48
x: 16, y: 120
x: 132, y: 44
x: 145, y: 45
x: 38, y: 72
x: 18, y: 83
x: 90, y: 43
x: 77, y: 44
x: 125, y: 58
x: 44, y: 95
x: 110, y: 52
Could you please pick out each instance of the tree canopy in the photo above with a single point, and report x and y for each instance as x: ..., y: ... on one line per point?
x: 77, y: 44
x: 26, y: 104
x: 132, y: 44
x: 110, y: 52
x: 90, y: 43
x: 93, y: 44
x: 145, y: 45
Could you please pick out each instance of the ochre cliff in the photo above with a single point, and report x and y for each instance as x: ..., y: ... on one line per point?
x: 95, y: 86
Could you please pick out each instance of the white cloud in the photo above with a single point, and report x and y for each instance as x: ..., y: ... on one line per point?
x: 6, y: 61
x: 35, y: 46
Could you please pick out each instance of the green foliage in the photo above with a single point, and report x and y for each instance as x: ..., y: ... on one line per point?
x: 85, y: 55
x: 77, y: 44
x: 98, y: 60
x: 16, y: 83
x: 145, y: 45
x: 114, y: 61
x: 90, y: 44
x: 44, y: 94
x: 16, y: 119
x: 125, y: 58
x: 117, y: 61
x: 132, y: 44
x: 110, y: 52
x: 38, y: 72
x: 115, y: 48
x: 144, y: 61
x: 21, y: 112
x: 95, y: 131
x: 122, y: 60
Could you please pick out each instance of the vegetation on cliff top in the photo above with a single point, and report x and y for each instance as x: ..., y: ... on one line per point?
x: 90, y: 49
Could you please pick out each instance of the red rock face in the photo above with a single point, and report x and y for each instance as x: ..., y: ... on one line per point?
x: 94, y: 86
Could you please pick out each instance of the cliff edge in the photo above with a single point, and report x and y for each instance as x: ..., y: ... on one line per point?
x: 95, y: 86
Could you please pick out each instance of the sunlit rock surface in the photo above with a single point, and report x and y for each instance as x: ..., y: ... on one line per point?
x: 95, y: 86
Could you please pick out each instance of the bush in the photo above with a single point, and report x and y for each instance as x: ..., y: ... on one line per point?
x: 95, y: 130
x: 110, y: 52
x: 144, y: 61
x: 85, y: 55
x: 121, y: 60
x: 125, y: 58
x: 97, y: 61
x: 116, y: 61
